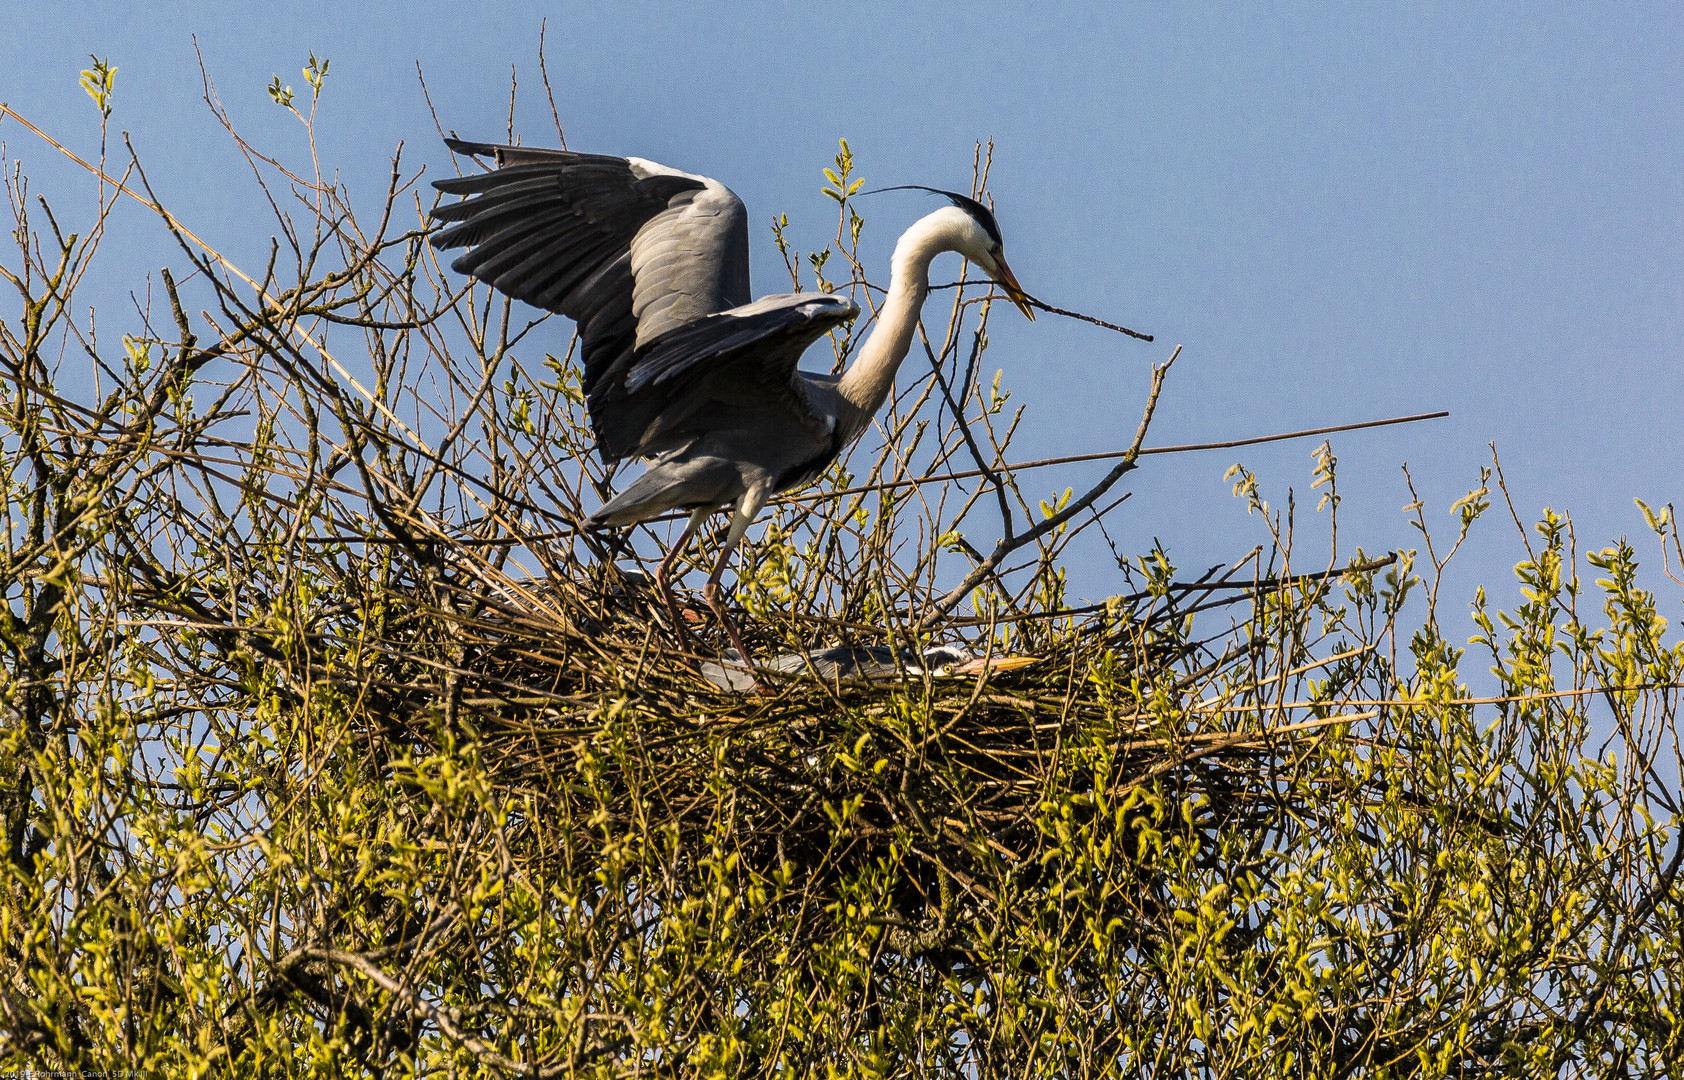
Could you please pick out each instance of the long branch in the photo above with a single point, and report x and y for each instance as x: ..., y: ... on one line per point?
x: 1109, y: 455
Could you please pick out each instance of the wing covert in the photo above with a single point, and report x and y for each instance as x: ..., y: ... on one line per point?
x: 743, y: 357
x: 627, y: 248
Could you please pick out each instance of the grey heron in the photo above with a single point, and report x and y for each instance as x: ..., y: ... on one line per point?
x: 681, y: 367
x: 851, y: 662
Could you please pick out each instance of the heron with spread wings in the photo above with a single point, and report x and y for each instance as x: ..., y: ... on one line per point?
x: 680, y: 366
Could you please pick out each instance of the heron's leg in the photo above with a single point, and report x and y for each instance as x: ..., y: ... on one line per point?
x: 740, y: 521
x: 663, y: 578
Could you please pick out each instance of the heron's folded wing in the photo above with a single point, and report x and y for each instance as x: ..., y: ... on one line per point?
x: 627, y: 248
x: 744, y: 357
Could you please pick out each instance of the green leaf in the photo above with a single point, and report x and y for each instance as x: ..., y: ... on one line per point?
x: 99, y: 82
x: 281, y: 95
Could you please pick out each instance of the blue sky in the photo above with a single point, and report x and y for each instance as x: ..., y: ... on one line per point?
x: 1345, y: 215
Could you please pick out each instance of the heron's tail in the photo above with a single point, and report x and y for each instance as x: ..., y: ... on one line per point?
x: 664, y: 487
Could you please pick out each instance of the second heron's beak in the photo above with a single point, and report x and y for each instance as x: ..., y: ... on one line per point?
x: 1008, y: 281
x: 994, y: 664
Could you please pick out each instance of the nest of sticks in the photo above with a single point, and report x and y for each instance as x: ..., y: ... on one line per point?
x: 579, y: 696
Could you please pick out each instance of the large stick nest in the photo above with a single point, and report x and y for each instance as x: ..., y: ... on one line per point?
x: 580, y: 695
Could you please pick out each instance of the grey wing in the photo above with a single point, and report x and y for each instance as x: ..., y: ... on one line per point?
x: 627, y: 248
x: 743, y: 360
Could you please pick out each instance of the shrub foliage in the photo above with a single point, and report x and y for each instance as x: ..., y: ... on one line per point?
x: 334, y: 744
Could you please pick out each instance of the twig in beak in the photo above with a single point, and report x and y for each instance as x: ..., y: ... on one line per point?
x: 1078, y: 315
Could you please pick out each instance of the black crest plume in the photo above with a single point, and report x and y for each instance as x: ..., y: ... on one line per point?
x: 983, y: 215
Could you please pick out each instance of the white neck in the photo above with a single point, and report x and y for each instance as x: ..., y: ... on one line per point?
x: 867, y: 382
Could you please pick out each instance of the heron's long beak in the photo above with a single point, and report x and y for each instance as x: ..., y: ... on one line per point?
x: 997, y: 663
x: 1008, y: 281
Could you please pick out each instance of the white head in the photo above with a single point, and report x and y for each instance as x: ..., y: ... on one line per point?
x: 971, y: 229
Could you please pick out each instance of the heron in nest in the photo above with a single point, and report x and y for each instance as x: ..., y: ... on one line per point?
x: 681, y: 367
x: 847, y: 663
